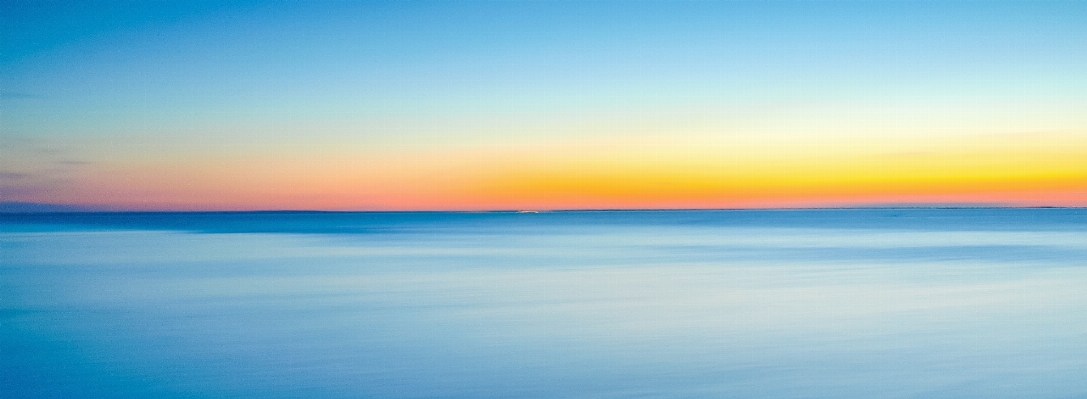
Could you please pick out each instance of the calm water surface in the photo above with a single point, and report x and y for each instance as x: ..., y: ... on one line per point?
x: 880, y: 303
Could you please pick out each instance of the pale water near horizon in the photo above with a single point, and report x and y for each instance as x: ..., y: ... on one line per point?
x: 873, y: 303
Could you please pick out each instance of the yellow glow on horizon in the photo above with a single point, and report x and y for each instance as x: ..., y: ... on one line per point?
x: 645, y: 172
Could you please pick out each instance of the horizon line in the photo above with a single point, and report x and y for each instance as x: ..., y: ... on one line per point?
x: 73, y: 209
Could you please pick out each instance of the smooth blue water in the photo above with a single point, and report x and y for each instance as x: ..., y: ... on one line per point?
x: 881, y: 303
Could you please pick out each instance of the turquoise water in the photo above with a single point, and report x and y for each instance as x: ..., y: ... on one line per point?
x: 880, y: 303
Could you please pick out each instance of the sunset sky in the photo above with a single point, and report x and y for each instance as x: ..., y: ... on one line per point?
x: 542, y: 105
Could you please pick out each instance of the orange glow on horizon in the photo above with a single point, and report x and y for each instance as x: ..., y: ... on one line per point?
x: 606, y: 176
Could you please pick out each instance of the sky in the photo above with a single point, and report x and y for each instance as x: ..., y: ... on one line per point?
x: 543, y: 105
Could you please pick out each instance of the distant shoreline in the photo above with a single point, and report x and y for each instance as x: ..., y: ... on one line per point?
x: 37, y: 208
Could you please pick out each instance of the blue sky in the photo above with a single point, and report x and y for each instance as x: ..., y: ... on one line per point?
x: 109, y: 84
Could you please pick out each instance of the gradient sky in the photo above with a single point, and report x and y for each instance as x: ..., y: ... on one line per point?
x: 542, y: 105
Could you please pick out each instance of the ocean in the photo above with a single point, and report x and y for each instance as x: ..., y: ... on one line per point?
x: 834, y: 303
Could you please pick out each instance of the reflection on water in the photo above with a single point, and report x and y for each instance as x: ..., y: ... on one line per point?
x: 846, y: 303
